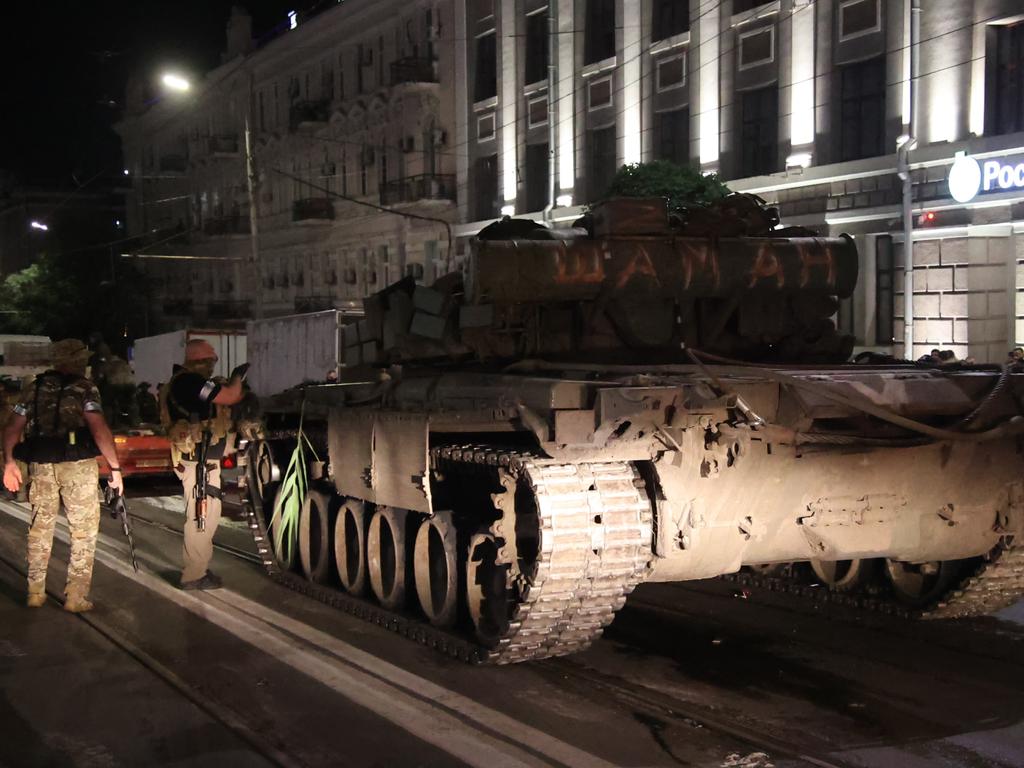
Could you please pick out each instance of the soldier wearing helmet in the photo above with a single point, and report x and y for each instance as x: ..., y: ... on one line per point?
x: 62, y: 419
x: 195, y: 408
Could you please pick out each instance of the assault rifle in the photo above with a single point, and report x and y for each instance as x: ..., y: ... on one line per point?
x: 115, y: 501
x: 199, y: 492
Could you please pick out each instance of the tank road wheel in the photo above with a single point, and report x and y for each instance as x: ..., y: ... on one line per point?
x: 918, y: 584
x: 265, y: 470
x: 487, y: 592
x: 436, y: 566
x: 315, y: 537
x: 843, y: 575
x: 385, y: 547
x: 350, y: 546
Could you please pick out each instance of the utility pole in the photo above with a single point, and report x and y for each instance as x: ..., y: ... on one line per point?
x: 903, y: 171
x: 254, y: 210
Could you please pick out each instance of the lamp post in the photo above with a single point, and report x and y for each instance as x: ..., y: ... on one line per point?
x: 180, y: 85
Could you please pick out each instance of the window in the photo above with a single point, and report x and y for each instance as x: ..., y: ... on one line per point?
x: 1006, y: 97
x: 885, y: 276
x: 671, y: 72
x: 485, y: 188
x: 537, y: 171
x: 859, y: 17
x: 601, y: 161
x: 862, y: 110
x: 600, y: 31
x: 537, y: 112
x: 759, y: 125
x: 672, y: 136
x: 757, y: 48
x: 740, y: 6
x: 670, y: 17
x: 536, y: 47
x: 486, y: 86
x: 599, y: 93
x: 485, y: 127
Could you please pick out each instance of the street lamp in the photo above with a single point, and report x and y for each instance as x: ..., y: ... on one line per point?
x: 176, y: 82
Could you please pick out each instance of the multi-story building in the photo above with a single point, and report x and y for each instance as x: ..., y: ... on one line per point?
x: 347, y: 116
x: 803, y: 102
x: 532, y: 105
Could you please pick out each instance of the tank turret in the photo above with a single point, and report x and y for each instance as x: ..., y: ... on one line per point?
x: 629, y: 283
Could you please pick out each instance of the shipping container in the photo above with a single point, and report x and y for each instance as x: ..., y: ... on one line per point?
x: 286, y: 351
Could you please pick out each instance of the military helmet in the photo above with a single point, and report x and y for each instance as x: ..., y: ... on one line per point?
x: 69, y: 352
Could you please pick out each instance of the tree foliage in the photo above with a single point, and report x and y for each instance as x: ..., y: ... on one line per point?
x: 72, y: 298
x: 682, y: 186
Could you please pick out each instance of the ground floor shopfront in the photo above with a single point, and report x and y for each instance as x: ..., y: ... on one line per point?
x: 967, y: 271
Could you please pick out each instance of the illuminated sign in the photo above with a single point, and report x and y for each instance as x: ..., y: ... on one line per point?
x: 968, y: 178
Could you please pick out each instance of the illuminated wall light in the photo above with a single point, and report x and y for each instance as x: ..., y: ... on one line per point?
x: 125, y: 171
x: 943, y: 106
x: 799, y: 160
x: 631, y: 79
x: 507, y: 106
x: 40, y: 226
x: 801, y: 120
x: 508, y: 210
x: 707, y: 56
x: 976, y: 119
x: 565, y: 83
x: 293, y: 19
x: 563, y: 201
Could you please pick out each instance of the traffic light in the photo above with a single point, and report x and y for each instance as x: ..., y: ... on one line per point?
x: 926, y: 219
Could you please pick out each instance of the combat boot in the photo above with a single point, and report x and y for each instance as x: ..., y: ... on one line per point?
x: 77, y: 605
x: 75, y: 600
x: 36, y: 595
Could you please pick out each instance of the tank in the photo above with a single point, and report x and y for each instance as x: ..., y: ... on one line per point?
x: 643, y: 397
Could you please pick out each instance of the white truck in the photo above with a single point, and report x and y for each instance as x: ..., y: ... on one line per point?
x: 286, y: 351
x: 153, y: 357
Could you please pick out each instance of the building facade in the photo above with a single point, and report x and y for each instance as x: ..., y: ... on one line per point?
x: 821, y: 107
x: 347, y: 116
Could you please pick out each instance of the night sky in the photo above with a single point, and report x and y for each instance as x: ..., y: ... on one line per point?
x: 63, y: 62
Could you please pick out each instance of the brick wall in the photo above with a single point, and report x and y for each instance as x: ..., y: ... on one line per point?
x: 960, y: 296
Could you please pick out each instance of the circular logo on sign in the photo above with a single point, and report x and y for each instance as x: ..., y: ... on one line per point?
x: 964, y: 178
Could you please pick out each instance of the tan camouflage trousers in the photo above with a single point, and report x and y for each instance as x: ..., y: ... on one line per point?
x: 74, y: 483
x: 197, y: 551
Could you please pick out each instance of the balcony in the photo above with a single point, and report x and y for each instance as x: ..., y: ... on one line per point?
x: 222, y: 146
x: 416, y: 188
x: 173, y: 164
x: 412, y: 71
x: 308, y: 113
x: 313, y: 209
x: 226, y: 225
x: 313, y: 303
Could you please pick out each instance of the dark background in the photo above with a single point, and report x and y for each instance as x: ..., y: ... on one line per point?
x: 65, y: 65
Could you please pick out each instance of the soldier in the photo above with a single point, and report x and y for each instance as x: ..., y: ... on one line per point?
x: 65, y: 433
x: 146, y: 404
x: 195, y: 409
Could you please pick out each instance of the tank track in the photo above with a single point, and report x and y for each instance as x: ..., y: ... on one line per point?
x: 595, y: 526
x: 996, y: 583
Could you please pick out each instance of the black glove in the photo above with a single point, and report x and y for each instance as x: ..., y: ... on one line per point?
x: 240, y: 372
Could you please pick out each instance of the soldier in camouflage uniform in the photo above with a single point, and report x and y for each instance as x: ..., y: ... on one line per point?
x: 62, y: 418
x: 195, y: 409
